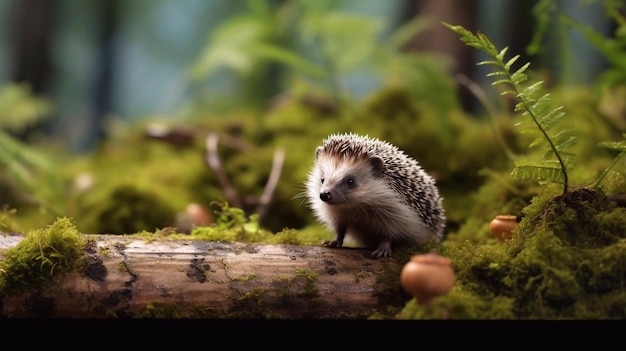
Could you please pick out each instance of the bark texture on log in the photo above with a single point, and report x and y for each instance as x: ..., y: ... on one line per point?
x: 134, y: 278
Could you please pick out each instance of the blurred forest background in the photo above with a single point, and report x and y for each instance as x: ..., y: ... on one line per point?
x: 137, y: 59
x: 75, y: 73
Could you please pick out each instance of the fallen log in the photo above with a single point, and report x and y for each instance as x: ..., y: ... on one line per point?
x: 124, y: 277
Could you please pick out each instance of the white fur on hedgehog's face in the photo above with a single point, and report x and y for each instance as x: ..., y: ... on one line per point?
x: 345, y: 181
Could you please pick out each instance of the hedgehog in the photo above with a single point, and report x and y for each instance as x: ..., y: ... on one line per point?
x: 372, y: 192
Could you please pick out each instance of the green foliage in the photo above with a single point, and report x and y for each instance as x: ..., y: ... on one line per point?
x: 132, y: 183
x: 232, y: 225
x: 538, y: 120
x: 614, y: 50
x: 20, y: 109
x: 41, y: 255
x: 305, y: 46
x: 24, y: 168
x: 552, y: 20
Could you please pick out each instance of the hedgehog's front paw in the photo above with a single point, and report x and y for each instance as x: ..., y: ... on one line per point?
x: 331, y: 243
x: 383, y: 250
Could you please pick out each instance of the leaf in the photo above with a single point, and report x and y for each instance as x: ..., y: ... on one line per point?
x: 339, y: 42
x: 542, y: 170
x: 510, y: 63
x: 613, y: 145
x: 286, y: 57
x: 230, y: 47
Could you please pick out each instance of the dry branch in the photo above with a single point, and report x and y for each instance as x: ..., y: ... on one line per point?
x: 125, y: 277
x: 266, y: 198
x: 213, y: 160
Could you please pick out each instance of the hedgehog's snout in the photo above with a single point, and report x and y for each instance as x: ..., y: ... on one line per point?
x: 326, y: 196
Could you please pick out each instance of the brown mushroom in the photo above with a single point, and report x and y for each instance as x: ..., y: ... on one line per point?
x: 427, y: 276
x: 501, y: 226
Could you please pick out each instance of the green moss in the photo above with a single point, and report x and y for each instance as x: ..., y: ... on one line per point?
x: 391, y: 296
x: 130, y: 210
x: 40, y: 256
x: 251, y: 305
x: 559, y: 259
x: 460, y: 304
x: 479, y: 267
x: 279, y: 298
x: 499, y: 194
x: 309, y: 290
x: 565, y: 260
x: 160, y: 311
x: 232, y: 225
x: 152, y: 170
x: 302, y: 284
x: 104, y: 251
x: 121, y: 267
x: 306, y: 236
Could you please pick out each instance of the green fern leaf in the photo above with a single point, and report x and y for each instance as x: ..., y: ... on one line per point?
x: 526, y: 169
x: 615, y: 146
x: 537, y: 118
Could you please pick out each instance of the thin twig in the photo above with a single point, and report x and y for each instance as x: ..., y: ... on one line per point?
x: 213, y: 160
x: 272, y: 181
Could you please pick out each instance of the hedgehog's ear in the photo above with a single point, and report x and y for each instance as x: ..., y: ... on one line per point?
x: 318, y: 151
x: 377, y: 165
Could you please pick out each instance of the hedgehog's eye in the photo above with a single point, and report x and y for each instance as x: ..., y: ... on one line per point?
x: 350, y: 181
x: 322, y: 180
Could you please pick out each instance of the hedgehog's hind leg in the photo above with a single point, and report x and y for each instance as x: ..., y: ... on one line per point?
x: 383, y: 249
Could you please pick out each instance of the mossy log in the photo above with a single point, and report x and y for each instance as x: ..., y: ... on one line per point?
x: 124, y: 277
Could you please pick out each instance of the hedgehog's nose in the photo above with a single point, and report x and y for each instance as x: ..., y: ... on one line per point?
x: 325, y: 196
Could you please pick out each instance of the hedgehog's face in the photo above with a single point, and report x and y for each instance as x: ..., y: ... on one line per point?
x: 344, y: 180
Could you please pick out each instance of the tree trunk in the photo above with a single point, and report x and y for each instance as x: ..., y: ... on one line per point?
x: 134, y: 278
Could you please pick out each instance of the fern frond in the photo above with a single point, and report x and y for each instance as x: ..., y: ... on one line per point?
x: 616, y: 146
x: 541, y: 170
x: 536, y: 115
